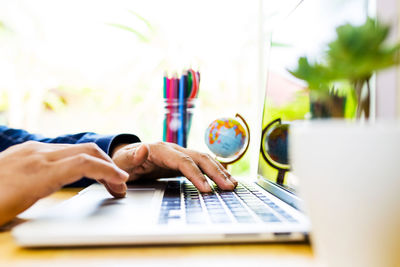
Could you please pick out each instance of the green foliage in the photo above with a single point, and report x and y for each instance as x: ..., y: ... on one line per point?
x: 276, y: 44
x: 294, y: 110
x: 316, y: 75
x: 142, y: 36
x: 242, y: 166
x: 351, y: 59
x: 145, y: 21
x: 357, y: 52
x: 5, y: 29
x: 54, y: 102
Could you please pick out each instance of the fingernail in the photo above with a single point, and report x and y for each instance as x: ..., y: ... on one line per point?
x: 136, y: 149
x: 231, y: 183
x: 124, y: 187
x: 118, y: 190
x: 233, y: 180
x: 123, y: 174
x: 230, y: 180
x: 120, y: 195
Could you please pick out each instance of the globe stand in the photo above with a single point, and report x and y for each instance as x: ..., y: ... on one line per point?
x: 225, y: 164
x: 281, y: 167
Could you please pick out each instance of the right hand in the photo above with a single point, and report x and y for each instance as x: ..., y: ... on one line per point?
x: 33, y: 170
x: 164, y: 159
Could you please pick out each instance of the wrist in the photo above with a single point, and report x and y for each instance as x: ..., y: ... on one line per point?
x: 116, y: 148
x: 121, y: 141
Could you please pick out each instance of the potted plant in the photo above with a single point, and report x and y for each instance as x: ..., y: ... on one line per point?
x: 345, y: 72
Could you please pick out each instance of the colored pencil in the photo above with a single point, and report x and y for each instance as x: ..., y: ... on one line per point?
x: 177, y: 91
x: 181, y: 100
x: 184, y: 116
x: 168, y: 111
x: 165, y: 81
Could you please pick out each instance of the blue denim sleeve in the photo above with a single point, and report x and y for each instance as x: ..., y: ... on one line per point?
x: 10, y: 137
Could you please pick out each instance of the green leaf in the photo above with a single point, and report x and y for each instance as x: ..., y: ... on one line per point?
x: 316, y: 75
x: 275, y: 44
x: 142, y: 36
x: 148, y: 24
x: 355, y: 54
x: 127, y: 28
x: 358, y: 51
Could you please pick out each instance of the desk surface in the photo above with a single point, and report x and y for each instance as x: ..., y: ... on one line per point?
x: 190, y: 255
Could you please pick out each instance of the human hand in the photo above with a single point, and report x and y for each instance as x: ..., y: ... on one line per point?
x: 163, y: 159
x: 33, y: 170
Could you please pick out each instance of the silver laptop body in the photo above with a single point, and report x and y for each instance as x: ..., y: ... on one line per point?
x: 169, y: 211
x: 172, y: 211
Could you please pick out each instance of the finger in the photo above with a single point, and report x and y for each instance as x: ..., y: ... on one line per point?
x: 213, y: 170
x: 116, y: 190
x: 179, y: 161
x: 130, y: 158
x: 233, y: 180
x: 30, y: 147
x: 70, y: 169
x: 51, y: 146
x: 87, y: 148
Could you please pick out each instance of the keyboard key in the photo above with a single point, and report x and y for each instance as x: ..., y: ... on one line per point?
x: 171, y: 203
x: 214, y: 209
x: 271, y: 204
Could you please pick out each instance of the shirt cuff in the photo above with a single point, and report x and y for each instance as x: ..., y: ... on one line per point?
x: 122, y: 139
x: 108, y: 142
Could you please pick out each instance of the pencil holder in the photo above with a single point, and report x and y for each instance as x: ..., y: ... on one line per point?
x: 177, y: 120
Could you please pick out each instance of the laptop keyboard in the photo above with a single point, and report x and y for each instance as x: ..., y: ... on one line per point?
x: 246, y: 204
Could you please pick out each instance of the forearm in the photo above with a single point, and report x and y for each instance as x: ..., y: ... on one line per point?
x: 13, y: 202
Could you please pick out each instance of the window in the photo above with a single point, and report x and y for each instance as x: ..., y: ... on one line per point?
x: 69, y: 66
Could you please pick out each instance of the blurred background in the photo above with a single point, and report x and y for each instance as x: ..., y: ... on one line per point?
x: 71, y: 66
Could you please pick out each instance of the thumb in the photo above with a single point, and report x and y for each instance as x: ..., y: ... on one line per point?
x: 116, y: 190
x: 130, y: 158
x: 139, y: 155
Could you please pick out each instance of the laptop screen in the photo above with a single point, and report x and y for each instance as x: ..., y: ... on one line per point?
x: 305, y: 31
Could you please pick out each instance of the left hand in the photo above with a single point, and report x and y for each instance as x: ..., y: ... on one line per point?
x: 162, y: 160
x: 33, y: 170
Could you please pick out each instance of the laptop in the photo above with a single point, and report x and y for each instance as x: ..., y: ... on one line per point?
x: 265, y: 208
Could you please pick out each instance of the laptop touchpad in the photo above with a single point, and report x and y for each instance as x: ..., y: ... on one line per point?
x: 136, y: 204
x: 97, y: 204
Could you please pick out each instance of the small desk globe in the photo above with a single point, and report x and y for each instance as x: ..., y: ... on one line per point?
x: 228, y: 138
